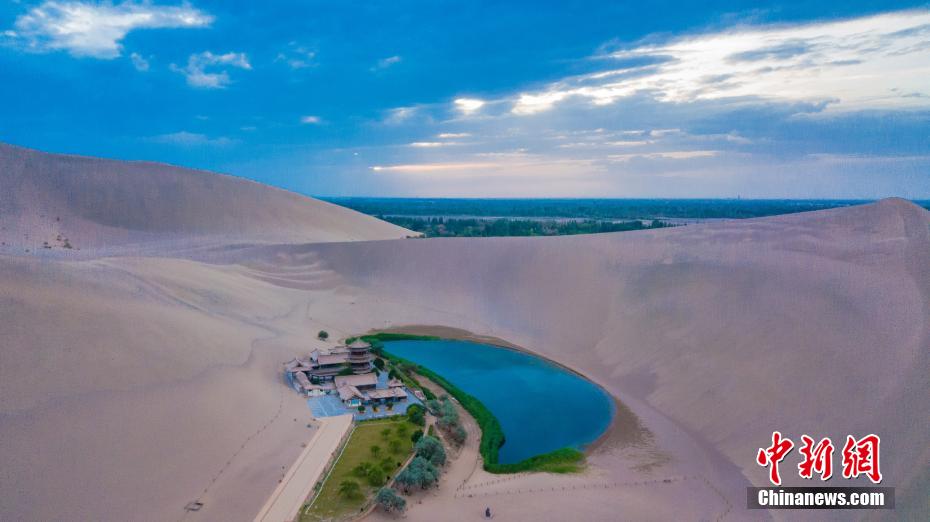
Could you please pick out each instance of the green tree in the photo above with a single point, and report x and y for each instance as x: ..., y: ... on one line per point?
x: 385, y: 433
x: 379, y: 363
x: 395, y: 446
x: 387, y: 465
x: 323, y: 335
x: 415, y: 414
x: 420, y: 472
x: 361, y: 470
x: 458, y: 434
x: 389, y: 500
x: 375, y: 477
x: 350, y: 489
x: 431, y: 449
x: 417, y: 435
x: 375, y: 449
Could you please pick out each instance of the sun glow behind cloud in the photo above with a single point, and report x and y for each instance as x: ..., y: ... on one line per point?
x: 468, y: 106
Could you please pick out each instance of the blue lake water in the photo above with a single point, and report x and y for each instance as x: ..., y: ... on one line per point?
x: 541, y: 407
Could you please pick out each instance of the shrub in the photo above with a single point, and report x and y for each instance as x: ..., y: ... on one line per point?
x: 379, y: 363
x: 385, y: 433
x: 416, y: 436
x: 389, y: 500
x: 323, y: 335
x: 361, y: 408
x: 350, y: 489
x: 395, y: 446
x: 375, y: 449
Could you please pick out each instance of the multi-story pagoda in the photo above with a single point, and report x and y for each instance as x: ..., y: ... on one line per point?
x: 360, y: 357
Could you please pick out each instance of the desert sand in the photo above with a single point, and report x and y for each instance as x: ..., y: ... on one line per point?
x: 141, y: 367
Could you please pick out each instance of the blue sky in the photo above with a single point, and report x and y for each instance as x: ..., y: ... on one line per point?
x: 517, y: 99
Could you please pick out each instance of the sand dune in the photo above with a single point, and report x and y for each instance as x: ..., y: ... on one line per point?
x: 94, y: 203
x: 135, y: 380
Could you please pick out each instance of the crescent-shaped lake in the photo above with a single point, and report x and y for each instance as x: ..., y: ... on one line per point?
x: 541, y: 406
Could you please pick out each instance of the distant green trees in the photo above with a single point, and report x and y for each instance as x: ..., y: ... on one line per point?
x: 489, y: 226
x: 389, y: 500
x: 323, y: 335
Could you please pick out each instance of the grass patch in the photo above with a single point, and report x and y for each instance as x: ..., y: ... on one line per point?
x: 564, y: 460
x: 333, y: 502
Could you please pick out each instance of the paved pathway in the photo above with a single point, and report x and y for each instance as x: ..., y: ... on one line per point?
x: 287, y: 499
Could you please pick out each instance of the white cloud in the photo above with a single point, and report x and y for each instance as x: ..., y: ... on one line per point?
x: 873, y: 62
x: 428, y: 144
x: 399, y: 115
x: 139, y: 62
x: 452, y: 135
x: 191, y: 139
x: 310, y: 120
x: 384, y: 63
x: 513, y: 165
x: 670, y: 154
x: 297, y: 56
x: 96, y: 29
x: 197, y: 64
x: 468, y: 106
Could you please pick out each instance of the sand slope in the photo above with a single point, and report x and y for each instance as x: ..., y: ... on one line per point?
x: 96, y: 203
x: 136, y: 379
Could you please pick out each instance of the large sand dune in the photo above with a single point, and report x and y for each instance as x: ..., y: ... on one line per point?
x: 139, y: 378
x: 95, y: 203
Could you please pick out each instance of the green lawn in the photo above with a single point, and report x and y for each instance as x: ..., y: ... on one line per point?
x: 331, y: 504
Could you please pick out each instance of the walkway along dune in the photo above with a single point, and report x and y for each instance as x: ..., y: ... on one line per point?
x: 284, y: 504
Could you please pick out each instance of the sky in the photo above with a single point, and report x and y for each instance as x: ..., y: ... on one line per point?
x: 678, y: 99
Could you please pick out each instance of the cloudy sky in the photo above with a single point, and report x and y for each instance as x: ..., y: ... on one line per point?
x: 438, y: 98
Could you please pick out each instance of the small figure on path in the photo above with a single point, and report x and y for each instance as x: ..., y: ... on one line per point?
x: 487, y: 512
